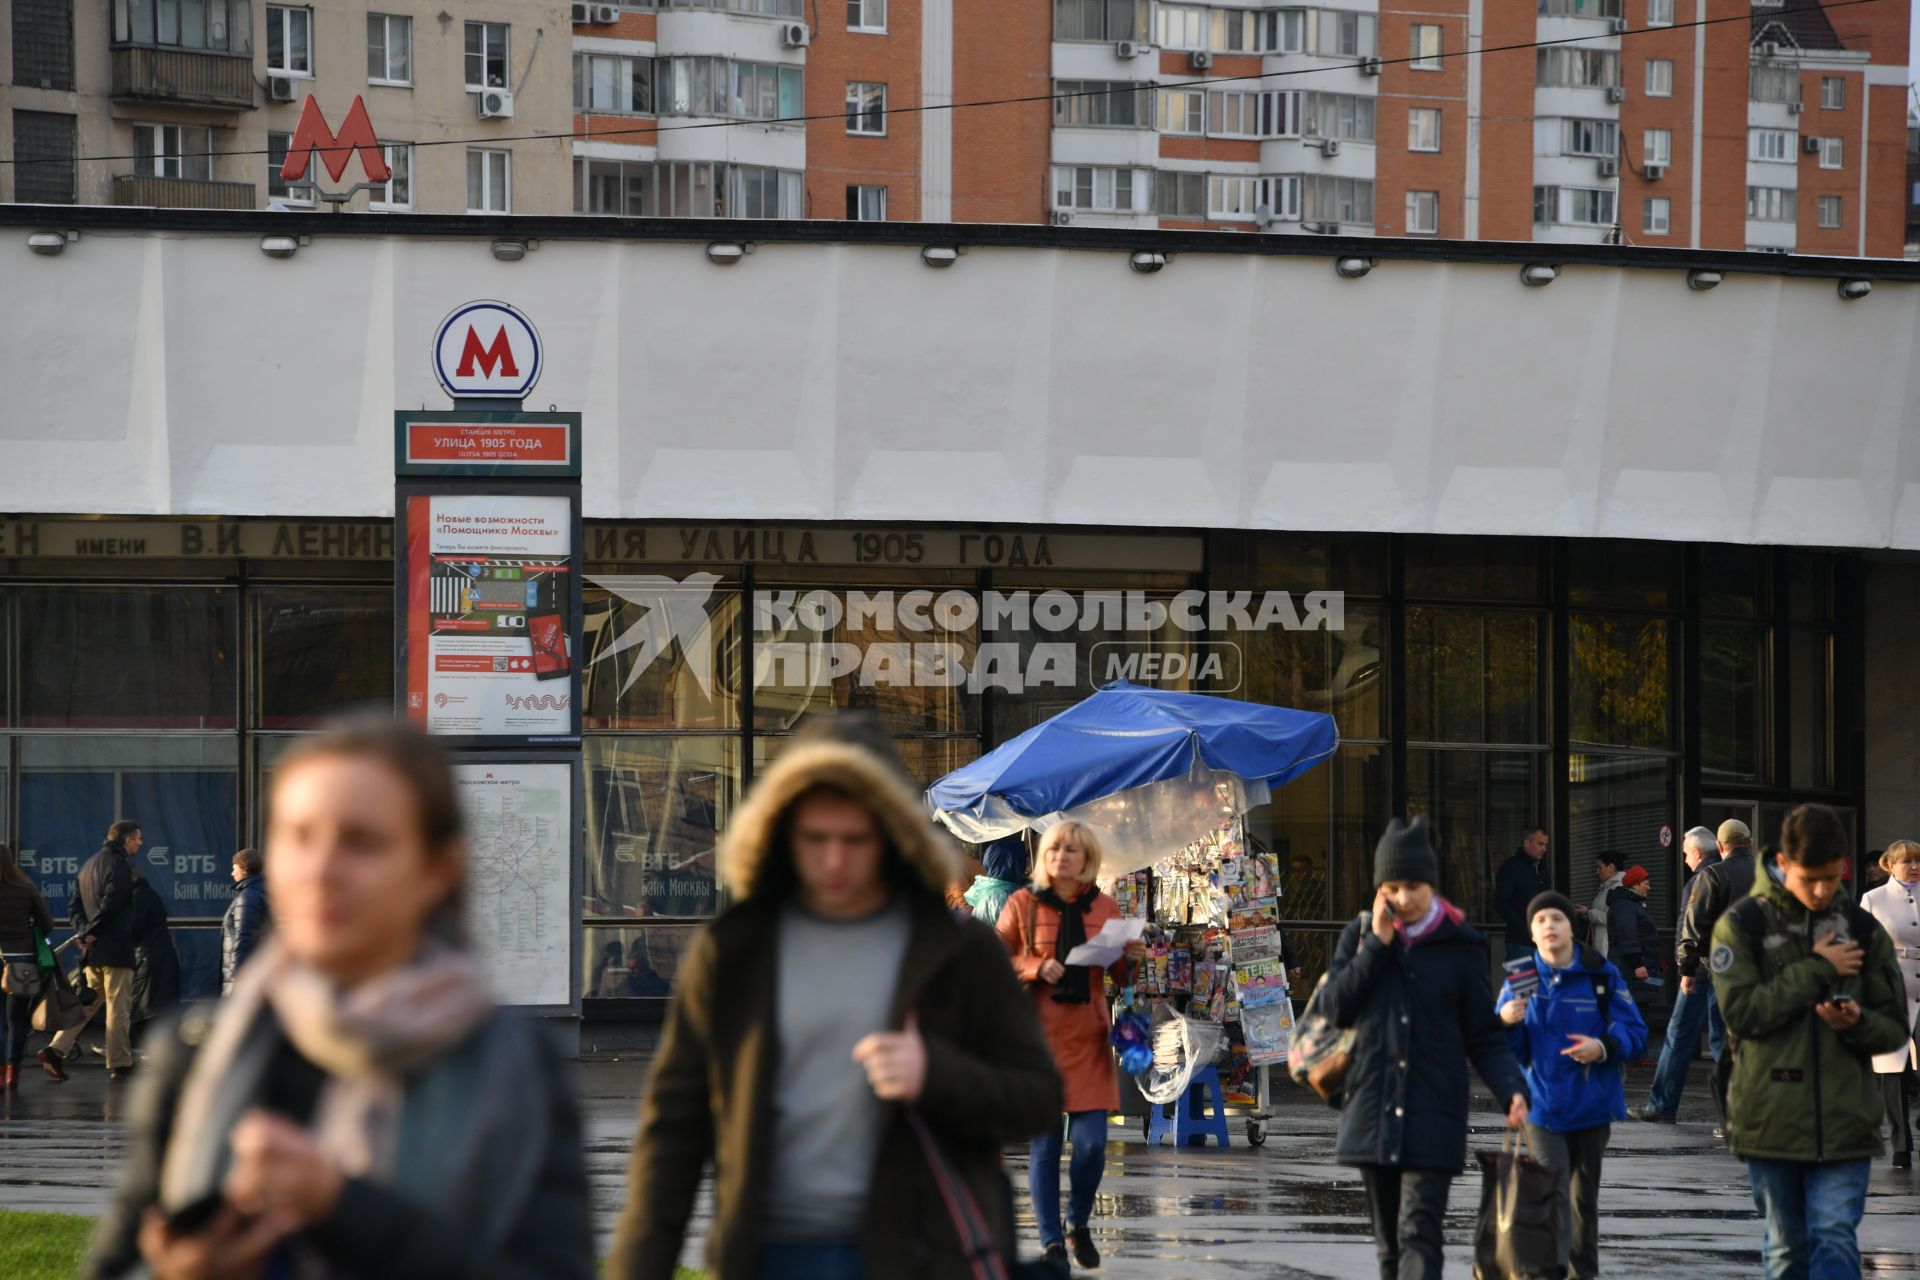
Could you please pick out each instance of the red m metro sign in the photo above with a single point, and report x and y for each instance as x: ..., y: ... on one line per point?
x: 486, y: 350
x: 312, y: 135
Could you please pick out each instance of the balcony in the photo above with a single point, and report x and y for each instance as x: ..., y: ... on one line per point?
x: 183, y: 193
x: 187, y: 77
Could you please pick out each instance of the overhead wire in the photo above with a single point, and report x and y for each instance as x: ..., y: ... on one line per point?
x: 655, y: 126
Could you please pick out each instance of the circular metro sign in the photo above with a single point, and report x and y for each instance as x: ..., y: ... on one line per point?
x: 486, y: 349
x: 1666, y: 835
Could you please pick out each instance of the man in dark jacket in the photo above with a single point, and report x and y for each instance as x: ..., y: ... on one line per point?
x: 830, y: 1032
x: 1411, y: 980
x: 247, y: 916
x: 1694, y: 1008
x: 101, y: 913
x: 1523, y: 877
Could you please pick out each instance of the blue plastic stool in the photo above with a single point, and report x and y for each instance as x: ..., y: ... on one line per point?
x: 1190, y: 1130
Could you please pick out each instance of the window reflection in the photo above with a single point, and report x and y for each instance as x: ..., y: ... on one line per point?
x: 1478, y: 805
x: 655, y: 808
x: 1622, y: 681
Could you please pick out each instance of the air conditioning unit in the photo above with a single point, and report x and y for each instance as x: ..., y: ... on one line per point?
x: 281, y: 89
x: 793, y: 35
x: 603, y: 15
x: 1617, y: 94
x: 1795, y: 108
x: 1810, y: 145
x: 1371, y: 67
x: 1655, y: 172
x: 1768, y: 49
x: 1200, y: 59
x: 582, y: 14
x: 1609, y: 168
x: 496, y: 104
x: 1328, y: 146
x: 1128, y: 49
x: 1062, y: 218
x: 1619, y: 26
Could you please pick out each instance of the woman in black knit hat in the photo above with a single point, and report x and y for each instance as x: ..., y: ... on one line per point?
x: 1411, y: 979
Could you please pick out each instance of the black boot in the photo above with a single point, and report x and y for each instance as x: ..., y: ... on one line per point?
x: 1083, y: 1251
x: 1057, y: 1259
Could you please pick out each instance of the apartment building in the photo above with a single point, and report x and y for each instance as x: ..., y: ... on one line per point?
x: 194, y: 103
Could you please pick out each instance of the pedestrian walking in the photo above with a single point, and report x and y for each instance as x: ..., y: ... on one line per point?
x: 1636, y: 939
x: 1695, y: 1006
x: 1410, y: 979
x: 1811, y: 992
x: 1040, y: 926
x: 1523, y: 877
x: 357, y: 1106
x: 247, y: 918
x: 1573, y: 1034
x: 1003, y: 873
x: 156, y: 965
x: 837, y: 1042
x: 1607, y: 871
x: 101, y: 912
x: 1896, y: 905
x: 25, y: 923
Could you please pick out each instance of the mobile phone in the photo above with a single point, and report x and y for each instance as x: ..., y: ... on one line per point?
x: 1842, y: 998
x: 192, y: 1217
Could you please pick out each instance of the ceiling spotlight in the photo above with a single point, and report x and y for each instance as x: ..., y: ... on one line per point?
x: 1537, y: 274
x: 940, y: 255
x: 510, y: 250
x: 1854, y: 290
x: 1352, y: 268
x: 279, y: 246
x: 1702, y: 280
x: 725, y: 253
x: 1147, y: 263
x: 50, y: 242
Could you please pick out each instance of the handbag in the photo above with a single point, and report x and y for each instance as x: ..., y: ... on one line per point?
x: 61, y: 1007
x: 1321, y: 1053
x: 21, y: 978
x: 1518, y: 1237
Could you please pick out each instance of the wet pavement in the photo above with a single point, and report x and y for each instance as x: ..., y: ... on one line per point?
x: 1672, y: 1201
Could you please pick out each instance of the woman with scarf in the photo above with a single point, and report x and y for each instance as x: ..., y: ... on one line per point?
x: 357, y: 1106
x: 1041, y: 925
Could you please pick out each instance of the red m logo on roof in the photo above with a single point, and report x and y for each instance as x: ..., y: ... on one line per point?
x: 356, y: 134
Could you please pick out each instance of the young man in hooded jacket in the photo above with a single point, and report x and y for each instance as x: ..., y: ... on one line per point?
x: 827, y: 1020
x: 1411, y: 979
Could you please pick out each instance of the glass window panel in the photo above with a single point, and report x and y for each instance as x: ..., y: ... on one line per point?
x: 1621, y: 803
x: 660, y: 655
x: 1473, y: 675
x: 927, y: 760
x: 634, y: 964
x: 1626, y: 575
x: 655, y: 808
x: 1340, y: 672
x: 1810, y: 691
x: 182, y: 790
x: 1809, y: 588
x: 1736, y: 582
x: 127, y: 657
x: 1459, y: 568
x: 875, y: 661
x: 1323, y: 825
x: 1735, y: 699
x: 1478, y: 804
x: 321, y: 652
x: 1354, y: 563
x: 1622, y: 681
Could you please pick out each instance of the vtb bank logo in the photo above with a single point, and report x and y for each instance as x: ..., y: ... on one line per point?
x: 486, y: 349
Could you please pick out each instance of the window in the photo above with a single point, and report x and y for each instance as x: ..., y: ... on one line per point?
x: 1238, y: 113
x: 867, y: 109
x: 389, y: 49
x: 319, y: 652
x: 1348, y: 35
x: 1833, y: 93
x: 396, y: 194
x: 1577, y: 206
x: 1240, y: 31
x: 1659, y: 13
x: 1232, y: 196
x: 1656, y: 147
x: 1772, y: 146
x: 1423, y: 129
x: 1337, y: 200
x: 1099, y: 190
x: 166, y: 654
x: 623, y: 188
x: 223, y: 25
x: 277, y: 186
x: 1180, y: 195
x: 1106, y: 20
x: 289, y: 39
x: 43, y: 43
x: 866, y: 15
x: 1829, y: 213
x: 1283, y: 30
x: 722, y: 87
x: 43, y: 152
x: 696, y: 190
x: 1564, y: 67
x: 1659, y: 78
x: 489, y: 181
x: 1770, y: 204
x: 1600, y: 138
x: 173, y: 151
x: 1580, y: 8
x: 1424, y: 47
x: 1337, y: 115
x: 1767, y: 83
x: 1183, y: 111
x: 1656, y: 215
x: 606, y: 83
x: 1180, y: 26
x: 866, y: 204
x: 1423, y: 213
x: 486, y: 57
x: 1832, y: 153
x: 1105, y: 103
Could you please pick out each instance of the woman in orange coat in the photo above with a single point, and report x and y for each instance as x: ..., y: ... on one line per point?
x: 1041, y: 925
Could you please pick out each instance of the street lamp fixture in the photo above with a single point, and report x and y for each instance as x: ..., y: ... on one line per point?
x: 1352, y: 268
x: 724, y: 253
x: 1146, y: 263
x: 48, y: 243
x: 279, y: 246
x: 1537, y: 275
x: 1701, y: 281
x: 1854, y: 290
x: 940, y: 255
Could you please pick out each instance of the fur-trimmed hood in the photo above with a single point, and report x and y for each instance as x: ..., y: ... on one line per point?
x: 862, y: 774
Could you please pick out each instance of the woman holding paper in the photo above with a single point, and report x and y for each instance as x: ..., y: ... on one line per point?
x: 1041, y: 925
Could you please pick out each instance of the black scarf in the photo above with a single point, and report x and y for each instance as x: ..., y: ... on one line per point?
x: 1073, y: 987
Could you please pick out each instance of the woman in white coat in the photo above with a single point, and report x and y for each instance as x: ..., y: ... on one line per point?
x: 1896, y: 905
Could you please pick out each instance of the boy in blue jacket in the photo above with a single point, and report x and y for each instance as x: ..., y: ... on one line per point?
x: 1574, y: 1034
